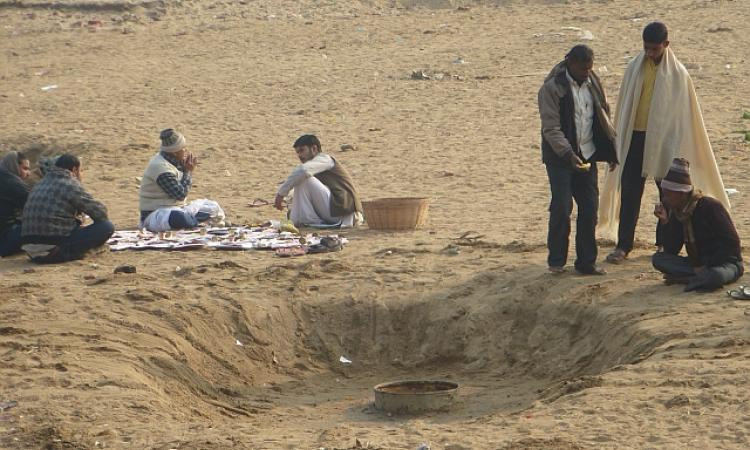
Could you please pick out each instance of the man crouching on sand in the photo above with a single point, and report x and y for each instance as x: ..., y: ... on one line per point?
x: 703, y: 226
x: 324, y: 192
x: 51, y: 230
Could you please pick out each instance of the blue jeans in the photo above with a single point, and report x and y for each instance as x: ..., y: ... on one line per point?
x: 710, y: 279
x: 10, y: 243
x: 566, y: 185
x: 80, y: 241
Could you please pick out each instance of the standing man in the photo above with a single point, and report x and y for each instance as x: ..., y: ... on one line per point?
x: 324, y: 192
x: 703, y: 226
x: 576, y: 133
x: 658, y: 118
x: 51, y: 226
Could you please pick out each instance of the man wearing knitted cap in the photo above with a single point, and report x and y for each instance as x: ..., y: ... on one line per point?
x: 167, y: 181
x: 703, y: 226
x: 324, y: 192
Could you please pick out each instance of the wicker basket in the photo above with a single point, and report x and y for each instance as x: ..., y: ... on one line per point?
x: 396, y: 213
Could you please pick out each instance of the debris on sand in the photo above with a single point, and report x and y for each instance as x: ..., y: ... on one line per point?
x: 437, y: 76
x: 125, y: 268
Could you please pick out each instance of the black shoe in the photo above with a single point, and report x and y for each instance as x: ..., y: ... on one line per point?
x: 591, y: 270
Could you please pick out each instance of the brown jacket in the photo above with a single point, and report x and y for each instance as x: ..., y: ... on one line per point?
x: 344, y: 196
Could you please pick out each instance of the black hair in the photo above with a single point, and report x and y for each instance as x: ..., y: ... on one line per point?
x: 655, y: 33
x: 580, y: 53
x: 307, y: 140
x: 68, y: 161
x: 21, y: 157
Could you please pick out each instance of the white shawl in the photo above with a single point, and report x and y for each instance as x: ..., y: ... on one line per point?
x: 675, y: 130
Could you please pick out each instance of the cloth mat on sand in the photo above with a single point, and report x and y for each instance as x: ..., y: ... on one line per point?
x: 218, y: 238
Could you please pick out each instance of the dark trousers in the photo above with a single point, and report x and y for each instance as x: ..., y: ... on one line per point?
x: 567, y: 185
x: 10, y: 242
x: 80, y: 241
x: 632, y: 185
x: 711, y: 278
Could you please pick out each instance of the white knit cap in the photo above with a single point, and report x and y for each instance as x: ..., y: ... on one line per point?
x: 171, y: 140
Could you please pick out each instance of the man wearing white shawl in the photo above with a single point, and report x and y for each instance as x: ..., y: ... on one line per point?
x: 657, y: 118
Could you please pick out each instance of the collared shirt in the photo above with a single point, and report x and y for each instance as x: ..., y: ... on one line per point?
x: 584, y: 115
x: 647, y: 92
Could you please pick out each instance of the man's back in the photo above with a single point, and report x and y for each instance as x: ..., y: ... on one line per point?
x: 54, y: 204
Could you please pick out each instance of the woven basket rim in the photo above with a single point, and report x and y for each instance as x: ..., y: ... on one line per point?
x: 391, y: 199
x: 396, y: 213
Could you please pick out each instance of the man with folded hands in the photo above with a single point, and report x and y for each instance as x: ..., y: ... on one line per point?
x: 703, y: 226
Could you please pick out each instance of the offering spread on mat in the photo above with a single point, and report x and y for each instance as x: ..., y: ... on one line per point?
x: 222, y: 238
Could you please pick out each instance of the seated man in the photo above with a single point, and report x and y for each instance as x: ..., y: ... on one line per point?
x: 324, y: 193
x: 51, y: 229
x: 14, y: 169
x: 703, y: 226
x: 165, y: 185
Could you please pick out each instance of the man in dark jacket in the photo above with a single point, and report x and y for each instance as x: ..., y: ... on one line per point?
x: 14, y: 169
x: 703, y: 226
x: 51, y: 225
x: 576, y: 133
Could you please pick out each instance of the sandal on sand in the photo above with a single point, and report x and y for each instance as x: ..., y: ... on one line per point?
x: 556, y: 269
x: 741, y: 293
x: 617, y: 256
x: 327, y: 244
x: 258, y: 202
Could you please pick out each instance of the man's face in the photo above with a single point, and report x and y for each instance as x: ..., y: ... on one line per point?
x: 654, y: 52
x: 305, y: 152
x: 78, y: 172
x: 674, y: 200
x: 179, y: 155
x: 580, y: 71
x: 24, y: 169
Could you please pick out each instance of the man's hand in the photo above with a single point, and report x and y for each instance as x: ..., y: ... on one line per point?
x: 575, y: 162
x: 661, y: 213
x: 190, y: 162
x: 612, y: 166
x: 279, y: 202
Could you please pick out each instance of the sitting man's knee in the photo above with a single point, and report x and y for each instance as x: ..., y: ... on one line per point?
x: 657, y: 261
x: 108, y: 228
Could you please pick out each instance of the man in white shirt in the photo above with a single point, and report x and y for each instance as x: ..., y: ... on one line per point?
x: 576, y: 133
x: 324, y: 192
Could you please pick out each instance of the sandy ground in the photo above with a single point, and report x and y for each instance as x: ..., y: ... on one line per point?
x: 150, y: 360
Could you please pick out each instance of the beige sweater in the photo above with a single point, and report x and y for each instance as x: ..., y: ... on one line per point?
x: 152, y: 196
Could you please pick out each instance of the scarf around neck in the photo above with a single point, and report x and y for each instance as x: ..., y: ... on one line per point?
x: 685, y: 216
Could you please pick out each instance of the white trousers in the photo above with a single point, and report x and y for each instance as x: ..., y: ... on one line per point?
x: 311, y: 205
